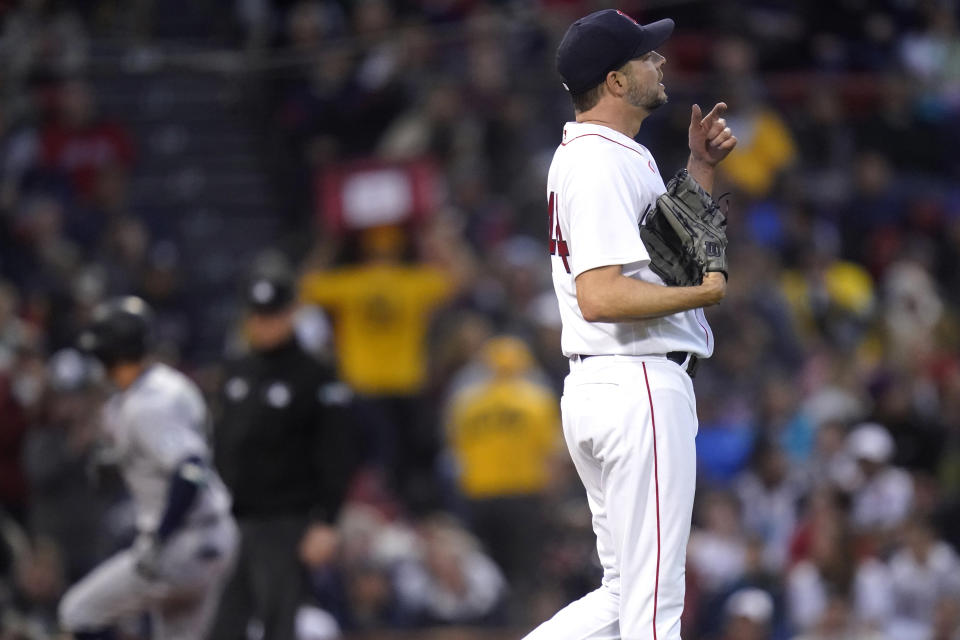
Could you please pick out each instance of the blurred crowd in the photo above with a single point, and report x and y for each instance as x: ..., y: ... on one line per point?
x: 829, y: 445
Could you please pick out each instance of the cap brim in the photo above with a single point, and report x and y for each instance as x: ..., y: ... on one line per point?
x: 655, y: 34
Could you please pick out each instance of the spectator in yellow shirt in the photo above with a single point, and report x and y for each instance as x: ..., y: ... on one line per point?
x: 766, y: 145
x: 503, y: 431
x: 381, y: 309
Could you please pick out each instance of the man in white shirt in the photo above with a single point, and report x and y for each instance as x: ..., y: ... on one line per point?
x: 883, y: 494
x: 629, y: 412
x: 154, y: 429
x: 924, y: 573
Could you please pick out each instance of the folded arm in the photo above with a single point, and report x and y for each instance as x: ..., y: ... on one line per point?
x: 606, y: 295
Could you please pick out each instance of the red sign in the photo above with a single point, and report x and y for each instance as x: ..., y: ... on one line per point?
x: 372, y: 193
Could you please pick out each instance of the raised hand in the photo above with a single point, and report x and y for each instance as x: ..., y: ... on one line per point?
x: 711, y: 140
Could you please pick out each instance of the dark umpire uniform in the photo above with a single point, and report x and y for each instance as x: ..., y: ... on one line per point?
x: 283, y: 445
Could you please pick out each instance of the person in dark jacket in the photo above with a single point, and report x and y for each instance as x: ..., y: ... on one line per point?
x: 283, y: 445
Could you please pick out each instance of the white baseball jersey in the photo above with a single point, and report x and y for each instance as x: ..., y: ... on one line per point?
x: 629, y: 415
x: 153, y: 426
x: 600, y: 186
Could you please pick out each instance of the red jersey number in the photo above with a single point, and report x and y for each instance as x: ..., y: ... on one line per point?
x: 558, y: 246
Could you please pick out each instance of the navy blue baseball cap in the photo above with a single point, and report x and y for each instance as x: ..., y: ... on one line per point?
x: 603, y: 41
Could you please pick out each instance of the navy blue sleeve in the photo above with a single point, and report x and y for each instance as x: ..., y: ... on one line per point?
x: 184, y: 486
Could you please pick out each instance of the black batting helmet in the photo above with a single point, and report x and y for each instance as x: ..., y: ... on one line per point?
x: 119, y: 331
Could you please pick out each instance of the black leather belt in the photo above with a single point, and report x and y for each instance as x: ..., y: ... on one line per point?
x: 680, y: 357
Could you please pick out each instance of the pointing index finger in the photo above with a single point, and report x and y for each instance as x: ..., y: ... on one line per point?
x: 718, y: 110
x: 695, y: 114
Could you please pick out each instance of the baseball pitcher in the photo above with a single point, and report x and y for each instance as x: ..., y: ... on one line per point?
x: 634, y: 262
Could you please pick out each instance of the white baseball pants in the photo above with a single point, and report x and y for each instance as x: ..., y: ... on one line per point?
x: 194, y: 566
x: 630, y: 424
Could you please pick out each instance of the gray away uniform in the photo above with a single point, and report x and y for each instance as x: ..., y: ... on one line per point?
x: 151, y: 428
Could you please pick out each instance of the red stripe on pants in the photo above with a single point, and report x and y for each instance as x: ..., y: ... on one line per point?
x: 656, y: 485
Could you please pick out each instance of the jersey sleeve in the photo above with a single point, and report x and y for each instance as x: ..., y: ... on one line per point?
x: 433, y: 286
x: 325, y: 288
x: 601, y: 216
x: 168, y: 430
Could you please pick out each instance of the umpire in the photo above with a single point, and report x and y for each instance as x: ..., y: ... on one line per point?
x: 282, y: 443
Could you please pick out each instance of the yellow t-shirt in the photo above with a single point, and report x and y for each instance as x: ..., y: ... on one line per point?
x: 848, y: 286
x: 503, y: 434
x: 380, y: 314
x: 761, y: 154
